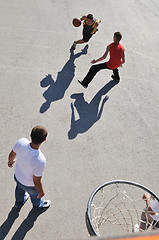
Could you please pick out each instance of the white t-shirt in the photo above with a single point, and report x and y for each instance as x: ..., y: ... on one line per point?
x: 155, y: 207
x: 29, y: 162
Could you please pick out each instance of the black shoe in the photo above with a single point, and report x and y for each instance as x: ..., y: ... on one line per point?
x: 85, y: 86
x: 73, y: 46
x: 115, y: 79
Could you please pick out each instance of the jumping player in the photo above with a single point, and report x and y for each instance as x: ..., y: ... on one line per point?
x: 90, y: 25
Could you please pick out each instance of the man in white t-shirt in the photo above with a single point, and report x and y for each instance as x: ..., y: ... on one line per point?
x: 30, y: 164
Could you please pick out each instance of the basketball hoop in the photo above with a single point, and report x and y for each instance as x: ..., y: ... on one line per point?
x: 117, y: 207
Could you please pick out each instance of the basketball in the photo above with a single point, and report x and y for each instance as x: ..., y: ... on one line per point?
x: 76, y: 22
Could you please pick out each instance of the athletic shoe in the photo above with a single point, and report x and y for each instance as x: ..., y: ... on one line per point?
x: 112, y: 76
x: 136, y: 228
x: 25, y: 199
x: 26, y: 196
x: 47, y: 204
x: 73, y: 46
x: 85, y: 86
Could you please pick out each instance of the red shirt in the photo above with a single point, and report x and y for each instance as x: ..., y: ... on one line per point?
x: 116, y: 53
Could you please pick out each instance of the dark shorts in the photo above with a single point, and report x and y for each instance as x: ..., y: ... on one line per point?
x: 86, y: 36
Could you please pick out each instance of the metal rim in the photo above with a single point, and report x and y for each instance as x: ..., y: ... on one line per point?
x: 89, y: 224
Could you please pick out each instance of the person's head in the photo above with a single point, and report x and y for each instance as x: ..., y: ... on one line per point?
x: 117, y: 36
x: 38, y: 135
x: 89, y: 19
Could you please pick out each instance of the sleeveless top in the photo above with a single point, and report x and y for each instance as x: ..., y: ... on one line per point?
x: 91, y: 29
x: 116, y: 53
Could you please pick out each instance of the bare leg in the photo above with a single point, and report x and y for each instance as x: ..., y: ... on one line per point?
x: 77, y: 42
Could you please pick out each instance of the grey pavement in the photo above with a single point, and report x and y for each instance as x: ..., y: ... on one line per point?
x: 96, y: 135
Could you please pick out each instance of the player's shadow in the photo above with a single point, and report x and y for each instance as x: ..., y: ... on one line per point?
x: 26, y: 225
x: 89, y: 113
x: 6, y: 226
x: 56, y: 89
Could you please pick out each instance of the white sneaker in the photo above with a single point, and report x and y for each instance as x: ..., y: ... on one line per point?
x: 26, y: 196
x: 136, y: 228
x: 47, y: 204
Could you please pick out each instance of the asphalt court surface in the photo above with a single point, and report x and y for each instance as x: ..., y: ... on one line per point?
x: 96, y: 135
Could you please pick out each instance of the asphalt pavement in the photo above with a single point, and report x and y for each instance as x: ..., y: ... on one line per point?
x: 105, y: 132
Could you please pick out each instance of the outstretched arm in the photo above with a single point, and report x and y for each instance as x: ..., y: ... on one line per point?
x: 103, y: 57
x: 83, y: 17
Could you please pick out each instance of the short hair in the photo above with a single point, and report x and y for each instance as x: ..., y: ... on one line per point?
x: 38, y: 135
x: 90, y: 16
x: 118, y: 36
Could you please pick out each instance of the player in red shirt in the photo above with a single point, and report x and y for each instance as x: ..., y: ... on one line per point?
x: 117, y: 58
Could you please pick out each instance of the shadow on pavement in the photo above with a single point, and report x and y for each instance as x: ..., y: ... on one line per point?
x: 26, y: 225
x: 56, y: 89
x: 6, y: 226
x: 89, y: 113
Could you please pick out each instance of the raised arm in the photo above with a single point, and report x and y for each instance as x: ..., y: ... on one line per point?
x: 146, y: 197
x: 103, y: 57
x: 97, y: 22
x: 83, y: 17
